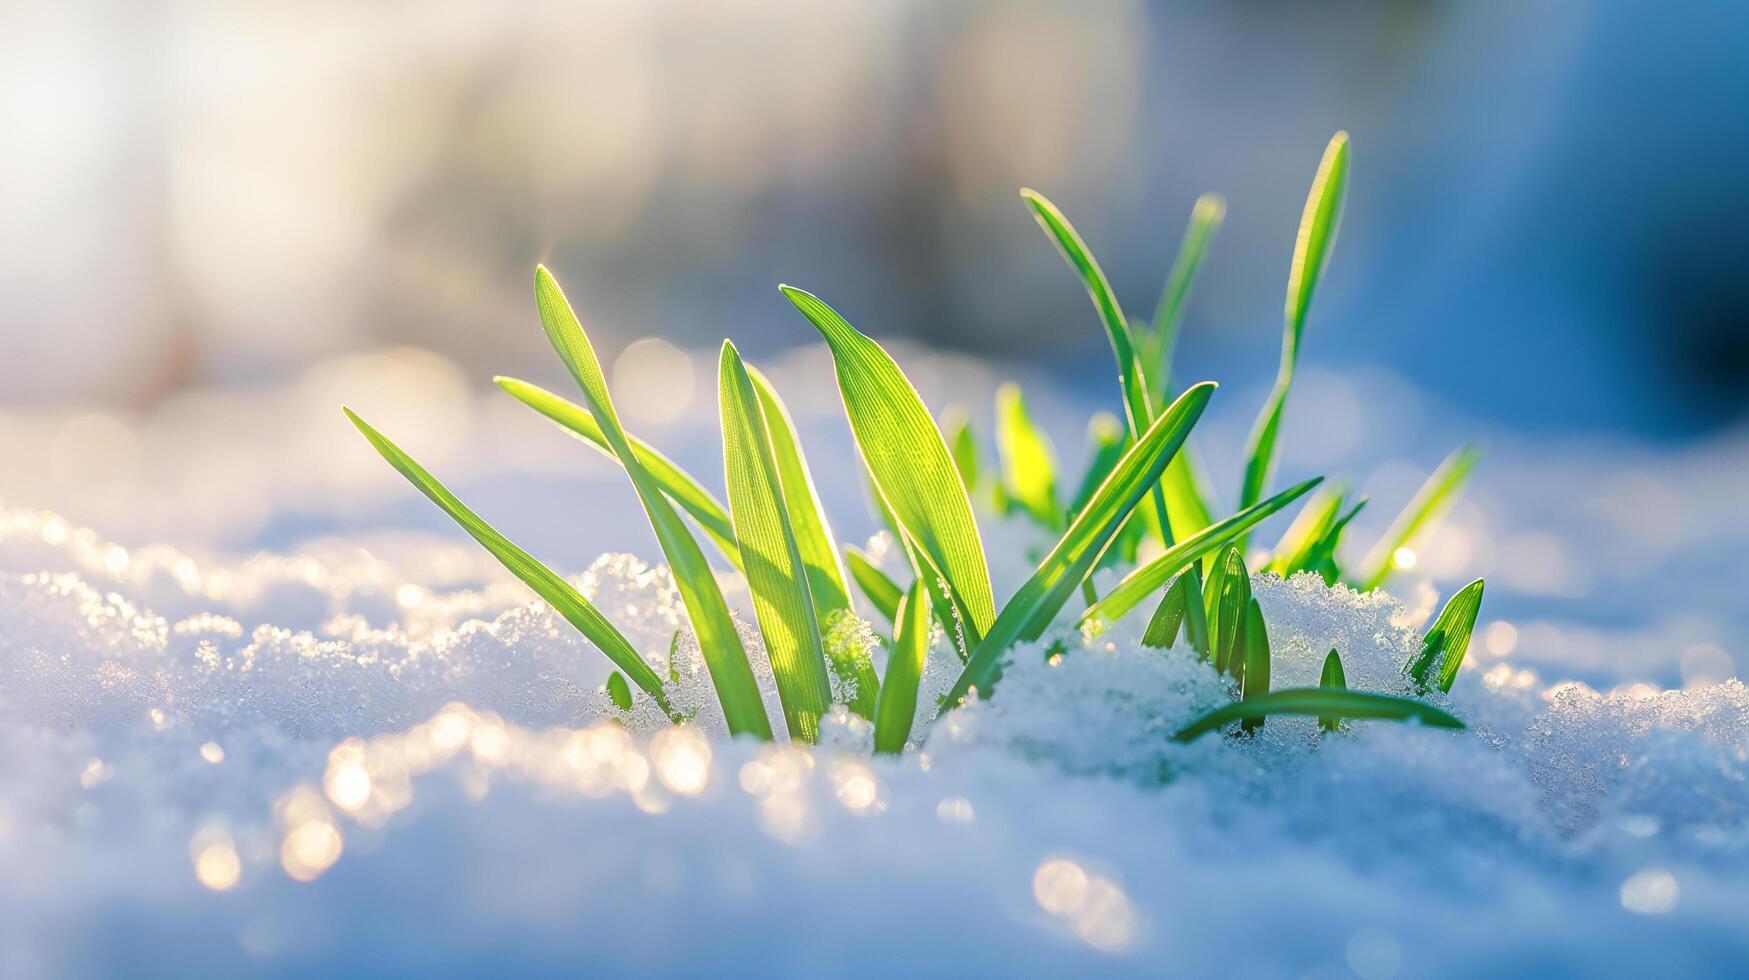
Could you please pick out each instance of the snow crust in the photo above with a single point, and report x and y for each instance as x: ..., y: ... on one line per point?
x: 343, y: 761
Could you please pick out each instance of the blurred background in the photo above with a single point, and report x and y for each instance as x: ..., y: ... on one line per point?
x: 219, y: 221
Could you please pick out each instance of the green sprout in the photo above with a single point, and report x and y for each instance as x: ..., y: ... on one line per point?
x: 926, y: 484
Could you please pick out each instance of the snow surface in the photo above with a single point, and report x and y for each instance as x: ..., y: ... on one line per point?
x: 276, y: 717
x: 415, y: 780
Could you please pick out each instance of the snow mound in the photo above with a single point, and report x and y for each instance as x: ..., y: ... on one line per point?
x: 415, y: 771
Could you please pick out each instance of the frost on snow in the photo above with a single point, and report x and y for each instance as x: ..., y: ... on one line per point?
x: 325, y: 763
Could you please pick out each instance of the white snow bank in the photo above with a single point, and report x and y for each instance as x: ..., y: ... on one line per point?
x: 424, y: 780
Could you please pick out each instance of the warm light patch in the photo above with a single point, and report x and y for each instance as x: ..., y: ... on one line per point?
x: 216, y: 864
x: 683, y: 759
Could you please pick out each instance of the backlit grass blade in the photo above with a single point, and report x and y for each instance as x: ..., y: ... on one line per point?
x: 880, y: 591
x: 1187, y: 495
x: 687, y: 493
x: 776, y: 577
x: 1319, y: 702
x: 1205, y: 220
x: 1426, y: 508
x: 1141, y: 583
x: 618, y: 691
x: 1029, y: 463
x: 962, y: 443
x: 1333, y: 679
x: 1299, y: 543
x: 718, y: 640
x: 1318, y: 226
x: 558, y: 593
x: 1105, y: 433
x: 1323, y: 557
x: 1232, y: 603
x: 1131, y: 374
x: 827, y: 581
x: 1163, y: 627
x: 1255, y: 679
x: 898, y: 698
x: 1111, y: 315
x: 908, y: 460
x: 1447, y: 640
x: 1037, y: 602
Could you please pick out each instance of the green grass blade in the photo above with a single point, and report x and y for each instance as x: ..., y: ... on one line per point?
x: 1142, y: 582
x: 1205, y: 219
x: 1106, y: 436
x: 724, y: 656
x: 1318, y: 226
x: 1187, y: 495
x: 898, y: 699
x: 558, y: 593
x: 1163, y: 627
x: 776, y: 577
x: 1322, y: 703
x: 1181, y: 608
x: 827, y: 581
x: 1448, y: 639
x: 1333, y: 679
x: 1076, y: 554
x: 908, y: 460
x: 1429, y: 504
x: 618, y: 691
x: 1323, y: 557
x: 1227, y: 621
x: 1117, y: 329
x: 1256, y: 674
x: 1299, y: 543
x: 1029, y: 463
x: 880, y: 591
x: 1131, y: 373
x: 687, y: 493
x: 962, y: 443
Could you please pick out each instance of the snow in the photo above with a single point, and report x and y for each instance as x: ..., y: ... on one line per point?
x: 440, y: 787
x: 313, y: 732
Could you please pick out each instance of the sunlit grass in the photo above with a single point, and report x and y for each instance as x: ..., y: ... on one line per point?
x: 1143, y: 486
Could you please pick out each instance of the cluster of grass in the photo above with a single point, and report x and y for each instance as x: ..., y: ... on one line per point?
x: 1144, y: 493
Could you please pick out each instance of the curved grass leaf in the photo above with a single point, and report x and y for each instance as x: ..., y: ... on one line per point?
x: 776, y: 577
x: 724, y: 656
x: 1448, y: 639
x: 1076, y: 554
x: 687, y: 493
x: 898, y: 699
x: 1230, y: 598
x: 962, y: 443
x: 1322, y: 703
x: 1205, y: 219
x: 1029, y: 464
x: 1333, y: 679
x: 1105, y: 434
x: 1255, y: 683
x: 1299, y: 543
x: 558, y: 593
x: 1187, y: 495
x: 827, y: 581
x: 1131, y: 374
x: 1318, y: 226
x: 908, y: 461
x: 618, y: 691
x: 1141, y: 583
x: 1425, y: 509
x: 1117, y: 329
x: 881, y: 592
x: 1182, y: 606
x: 1323, y: 557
